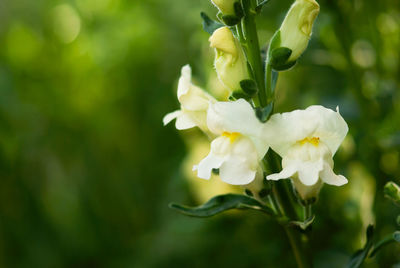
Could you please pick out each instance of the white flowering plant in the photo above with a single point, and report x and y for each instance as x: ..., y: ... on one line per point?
x: 281, y: 160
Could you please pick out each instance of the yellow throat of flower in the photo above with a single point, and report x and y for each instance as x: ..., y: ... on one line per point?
x: 314, y: 141
x: 231, y: 135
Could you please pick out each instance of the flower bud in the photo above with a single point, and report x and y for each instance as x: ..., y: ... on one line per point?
x: 392, y: 191
x: 295, y: 31
x: 225, y: 6
x: 230, y: 62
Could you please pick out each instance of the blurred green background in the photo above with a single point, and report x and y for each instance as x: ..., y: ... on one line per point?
x: 87, y: 169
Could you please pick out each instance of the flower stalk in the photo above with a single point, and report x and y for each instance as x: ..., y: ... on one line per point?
x: 280, y: 194
x: 252, y: 47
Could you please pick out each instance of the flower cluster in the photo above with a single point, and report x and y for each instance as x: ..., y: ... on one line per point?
x: 306, y: 140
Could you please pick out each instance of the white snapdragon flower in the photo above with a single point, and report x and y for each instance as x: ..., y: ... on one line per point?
x: 240, y: 146
x: 194, y: 104
x: 307, y: 140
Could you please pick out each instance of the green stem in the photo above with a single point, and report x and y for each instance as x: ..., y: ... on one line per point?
x: 253, y: 50
x: 302, y: 258
x: 307, y: 212
x: 268, y: 84
x: 280, y: 197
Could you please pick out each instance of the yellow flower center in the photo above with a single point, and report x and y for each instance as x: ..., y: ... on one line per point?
x: 314, y: 141
x: 231, y: 135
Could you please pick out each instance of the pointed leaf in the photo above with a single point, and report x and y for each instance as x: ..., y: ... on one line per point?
x: 209, y: 25
x: 222, y: 203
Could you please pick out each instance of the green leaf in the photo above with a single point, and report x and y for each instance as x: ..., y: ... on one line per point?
x: 249, y: 86
x: 392, y: 192
x: 222, y: 203
x: 359, y: 256
x: 261, y: 5
x: 302, y: 225
x: 396, y: 236
x: 263, y: 113
x: 398, y: 220
x: 230, y: 20
x: 209, y: 25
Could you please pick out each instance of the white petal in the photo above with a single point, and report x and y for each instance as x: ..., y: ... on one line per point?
x: 184, y: 121
x: 185, y: 80
x: 236, y: 171
x: 309, y: 172
x: 205, y: 167
x: 286, y: 129
x: 286, y: 173
x: 332, y: 128
x: 191, y: 97
x: 171, y: 116
x: 237, y: 116
x: 329, y: 177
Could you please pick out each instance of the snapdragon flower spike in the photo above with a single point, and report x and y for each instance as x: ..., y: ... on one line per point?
x: 307, y: 140
x: 194, y: 104
x: 239, y: 147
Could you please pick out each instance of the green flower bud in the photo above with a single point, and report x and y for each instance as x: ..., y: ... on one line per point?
x: 295, y: 31
x: 230, y: 61
x: 392, y: 191
x: 225, y: 6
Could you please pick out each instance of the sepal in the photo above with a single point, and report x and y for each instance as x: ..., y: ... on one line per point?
x: 263, y: 113
x: 302, y: 226
x: 249, y: 87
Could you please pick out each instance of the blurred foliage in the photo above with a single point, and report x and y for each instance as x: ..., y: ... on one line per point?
x: 87, y: 170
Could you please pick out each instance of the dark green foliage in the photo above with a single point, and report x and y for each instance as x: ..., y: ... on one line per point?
x: 210, y: 25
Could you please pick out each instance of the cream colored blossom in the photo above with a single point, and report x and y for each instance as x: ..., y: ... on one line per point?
x: 239, y: 147
x: 194, y: 104
x: 307, y: 140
